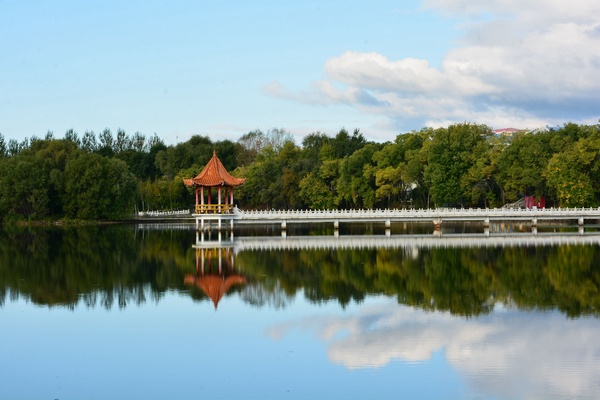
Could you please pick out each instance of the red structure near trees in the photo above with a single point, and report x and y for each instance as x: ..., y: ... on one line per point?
x: 532, y: 201
x: 214, y: 175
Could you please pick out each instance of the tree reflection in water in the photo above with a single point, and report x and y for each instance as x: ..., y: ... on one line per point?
x: 121, y: 265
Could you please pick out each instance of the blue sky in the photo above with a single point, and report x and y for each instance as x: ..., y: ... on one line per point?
x: 224, y: 68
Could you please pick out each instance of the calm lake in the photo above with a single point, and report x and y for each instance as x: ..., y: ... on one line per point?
x: 162, y: 312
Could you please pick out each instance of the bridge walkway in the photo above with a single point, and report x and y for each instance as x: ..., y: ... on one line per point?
x: 388, y: 216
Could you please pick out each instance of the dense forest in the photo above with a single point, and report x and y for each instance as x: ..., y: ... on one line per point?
x: 109, y: 177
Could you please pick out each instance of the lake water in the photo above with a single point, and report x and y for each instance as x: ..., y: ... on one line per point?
x: 161, y: 312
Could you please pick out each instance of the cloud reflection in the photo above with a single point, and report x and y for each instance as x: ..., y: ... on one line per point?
x: 509, y: 353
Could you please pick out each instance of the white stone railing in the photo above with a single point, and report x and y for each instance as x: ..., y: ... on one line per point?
x: 444, y: 213
x: 169, y: 213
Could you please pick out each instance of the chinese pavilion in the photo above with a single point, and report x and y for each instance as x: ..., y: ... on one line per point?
x: 214, y: 175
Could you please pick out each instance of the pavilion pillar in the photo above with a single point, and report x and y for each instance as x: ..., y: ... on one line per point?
x: 219, y: 196
x: 202, y: 195
x: 229, y: 199
x: 196, y: 197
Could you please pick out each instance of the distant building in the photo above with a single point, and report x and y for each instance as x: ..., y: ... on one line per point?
x: 506, y: 131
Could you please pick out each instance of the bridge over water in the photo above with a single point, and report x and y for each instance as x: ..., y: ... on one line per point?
x: 436, y: 216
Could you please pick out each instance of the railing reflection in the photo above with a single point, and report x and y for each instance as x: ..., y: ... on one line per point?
x: 407, y: 241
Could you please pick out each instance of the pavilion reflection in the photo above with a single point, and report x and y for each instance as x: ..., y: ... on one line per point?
x: 215, y: 269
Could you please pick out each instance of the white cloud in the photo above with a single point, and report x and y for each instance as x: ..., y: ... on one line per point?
x: 518, y: 64
x: 561, y: 62
x: 532, y: 12
x: 509, y: 354
x: 376, y: 72
x: 322, y: 93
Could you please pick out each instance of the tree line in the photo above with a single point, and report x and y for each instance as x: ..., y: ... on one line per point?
x: 111, y: 176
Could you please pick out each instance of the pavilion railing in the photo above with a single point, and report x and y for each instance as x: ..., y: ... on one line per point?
x: 214, y: 208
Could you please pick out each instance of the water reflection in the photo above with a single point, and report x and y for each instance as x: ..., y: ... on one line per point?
x: 466, y: 274
x: 497, y: 315
x: 211, y: 276
x: 544, y: 356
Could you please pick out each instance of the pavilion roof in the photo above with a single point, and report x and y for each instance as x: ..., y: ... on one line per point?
x: 214, y: 174
x: 214, y: 286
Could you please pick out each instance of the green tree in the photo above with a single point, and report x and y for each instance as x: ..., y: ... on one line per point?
x: 252, y: 144
x: 72, y: 137
x: 311, y: 147
x: 3, y: 148
x: 264, y: 184
x: 344, y: 144
x: 522, y: 164
x: 255, y: 142
x: 292, y: 171
x: 14, y: 147
x: 356, y: 184
x: 399, y: 169
x: 318, y: 189
x: 22, y: 193
x: 106, y: 143
x: 32, y: 180
x: 453, y: 151
x: 53, y: 155
x: 122, y: 142
x: 228, y: 153
x: 97, y: 187
x: 196, y: 152
x: 89, y: 142
x: 479, y: 182
x: 272, y: 179
x: 573, y: 175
